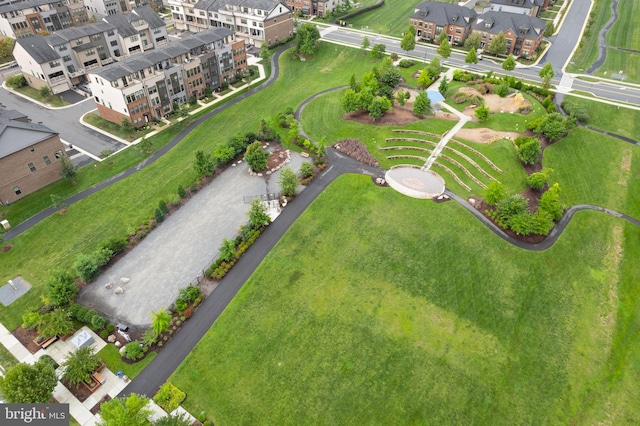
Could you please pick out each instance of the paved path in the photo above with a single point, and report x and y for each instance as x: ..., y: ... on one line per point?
x: 18, y: 229
x: 602, y: 42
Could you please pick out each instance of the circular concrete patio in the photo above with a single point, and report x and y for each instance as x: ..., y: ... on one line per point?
x: 415, y: 182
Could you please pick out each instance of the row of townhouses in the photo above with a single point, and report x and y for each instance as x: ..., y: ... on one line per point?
x: 523, y: 32
x: 146, y: 86
x: 254, y: 21
x: 63, y: 60
x: 314, y: 7
x: 30, y: 17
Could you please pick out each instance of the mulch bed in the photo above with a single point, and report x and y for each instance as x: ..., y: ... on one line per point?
x: 96, y: 408
x: 80, y: 391
x: 481, y: 206
x: 355, y: 149
x: 26, y: 337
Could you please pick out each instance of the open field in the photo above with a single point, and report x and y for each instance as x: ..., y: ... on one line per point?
x: 588, y: 49
x: 621, y: 121
x: 59, y: 239
x: 623, y: 43
x: 407, y: 310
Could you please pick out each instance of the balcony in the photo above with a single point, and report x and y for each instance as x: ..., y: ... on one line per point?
x: 92, y: 67
x: 107, y: 61
x: 58, y: 79
x: 78, y: 73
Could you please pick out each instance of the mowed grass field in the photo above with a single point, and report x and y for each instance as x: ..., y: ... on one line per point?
x: 116, y: 210
x: 376, y: 308
x: 623, y: 42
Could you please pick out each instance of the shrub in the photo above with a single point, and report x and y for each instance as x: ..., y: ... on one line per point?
x: 115, y: 245
x: 306, y: 170
x: 406, y: 63
x: 256, y: 157
x: 181, y: 305
x: 49, y: 360
x: 169, y: 397
x: 190, y: 293
x: 149, y: 337
x: 578, y: 111
x: 16, y: 81
x: 86, y: 267
x: 104, y: 334
x: 510, y: 207
x: 98, y: 322
x: 61, y: 287
x: 159, y: 216
x: 181, y: 192
x: 101, y: 256
x: 31, y: 320
x: 529, y: 152
x: 476, y: 100
x: 537, y: 180
x: 134, y: 351
x: 460, y: 97
x: 110, y: 328
x: 502, y: 90
x: 163, y: 207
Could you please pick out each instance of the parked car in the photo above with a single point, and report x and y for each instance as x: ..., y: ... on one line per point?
x: 85, y: 88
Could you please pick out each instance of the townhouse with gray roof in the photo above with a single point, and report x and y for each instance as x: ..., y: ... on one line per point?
x: 31, y: 17
x: 148, y: 86
x: 523, y: 33
x: 254, y: 21
x: 431, y: 18
x: 521, y: 7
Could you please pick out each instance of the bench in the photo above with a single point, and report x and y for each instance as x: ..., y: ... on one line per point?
x: 50, y: 341
x: 98, y: 378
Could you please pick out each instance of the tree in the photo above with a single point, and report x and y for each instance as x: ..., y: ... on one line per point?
x: 28, y: 384
x: 498, y: 45
x: 434, y: 68
x: 67, y: 170
x: 145, y: 144
x: 378, y: 50
x: 537, y: 180
x: 442, y: 36
x: 378, y: 106
x: 288, y: 182
x: 424, y: 79
x: 471, y: 57
x: 258, y: 216
x: 549, y: 30
x: 553, y: 126
x: 132, y: 411
x: 502, y: 89
x: 509, y: 64
x: 400, y: 97
x: 353, y: 84
x: 529, y: 152
x: 256, y: 157
x: 160, y: 320
x: 182, y: 193
x: 444, y: 49
x: 473, y: 41
x: 408, y: 41
x: 350, y: 101
x: 80, y: 364
x: 365, y: 43
x: 306, y: 37
x: 227, y: 250
x: 127, y: 126
x: 134, y: 350
x: 444, y: 86
x: 494, y: 193
x: 264, y: 52
x: 482, y: 113
x: 422, y: 104
x: 55, y: 323
x: 6, y: 47
x: 546, y: 74
x: 162, y: 205
x: 550, y: 202
x: 204, y: 164
x: 306, y: 170
x: 61, y: 286
x: 86, y: 267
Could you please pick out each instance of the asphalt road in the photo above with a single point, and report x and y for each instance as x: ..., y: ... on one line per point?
x: 65, y: 121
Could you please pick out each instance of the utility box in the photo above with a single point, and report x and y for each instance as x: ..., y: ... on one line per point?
x: 5, y: 224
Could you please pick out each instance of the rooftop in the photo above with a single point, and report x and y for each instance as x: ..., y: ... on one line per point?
x: 16, y: 135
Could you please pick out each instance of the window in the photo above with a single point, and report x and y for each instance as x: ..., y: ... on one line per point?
x: 62, y: 48
x: 78, y: 42
x: 54, y: 64
x: 46, y: 160
x: 17, y: 190
x: 114, y: 43
x: 31, y: 167
x: 133, y: 38
x: 66, y: 58
x: 59, y: 154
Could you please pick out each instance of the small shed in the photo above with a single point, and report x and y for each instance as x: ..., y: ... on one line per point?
x: 82, y: 339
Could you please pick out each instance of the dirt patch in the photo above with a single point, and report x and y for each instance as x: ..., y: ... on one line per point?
x: 625, y: 167
x: 26, y: 337
x: 276, y: 158
x: 486, y: 135
x: 6, y: 248
x: 398, y: 116
x: 510, y: 104
x: 96, y: 408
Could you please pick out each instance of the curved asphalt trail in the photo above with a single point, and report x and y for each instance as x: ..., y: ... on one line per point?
x: 33, y: 220
x: 602, y: 43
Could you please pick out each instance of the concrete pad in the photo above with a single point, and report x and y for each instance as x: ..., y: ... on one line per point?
x: 10, y: 292
x: 415, y: 182
x: 158, y: 412
x: 178, y: 411
x: 185, y: 244
x: 62, y: 394
x: 79, y: 412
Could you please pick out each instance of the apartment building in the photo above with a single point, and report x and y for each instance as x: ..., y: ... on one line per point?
x: 521, y: 7
x: 63, y: 59
x: 431, y: 18
x: 31, y: 17
x: 103, y: 8
x: 146, y: 86
x: 254, y: 21
x: 30, y: 156
x: 524, y: 33
x: 139, y: 31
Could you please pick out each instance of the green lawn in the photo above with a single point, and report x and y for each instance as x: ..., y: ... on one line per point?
x: 624, y: 34
x: 113, y: 128
x: 405, y: 310
x: 588, y: 49
x: 52, y: 100
x: 6, y: 358
x: 390, y: 19
x: 111, y: 358
x: 622, y: 121
x: 60, y: 238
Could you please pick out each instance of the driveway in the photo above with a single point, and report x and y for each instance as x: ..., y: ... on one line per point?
x: 185, y: 244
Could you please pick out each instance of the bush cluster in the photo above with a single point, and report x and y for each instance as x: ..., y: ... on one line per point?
x: 134, y: 350
x: 576, y: 110
x: 88, y: 266
x: 406, y: 63
x: 89, y: 316
x: 169, y: 397
x: 241, y: 243
x: 188, y: 295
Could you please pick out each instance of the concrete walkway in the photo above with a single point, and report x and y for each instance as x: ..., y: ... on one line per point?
x: 80, y: 411
x: 451, y: 133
